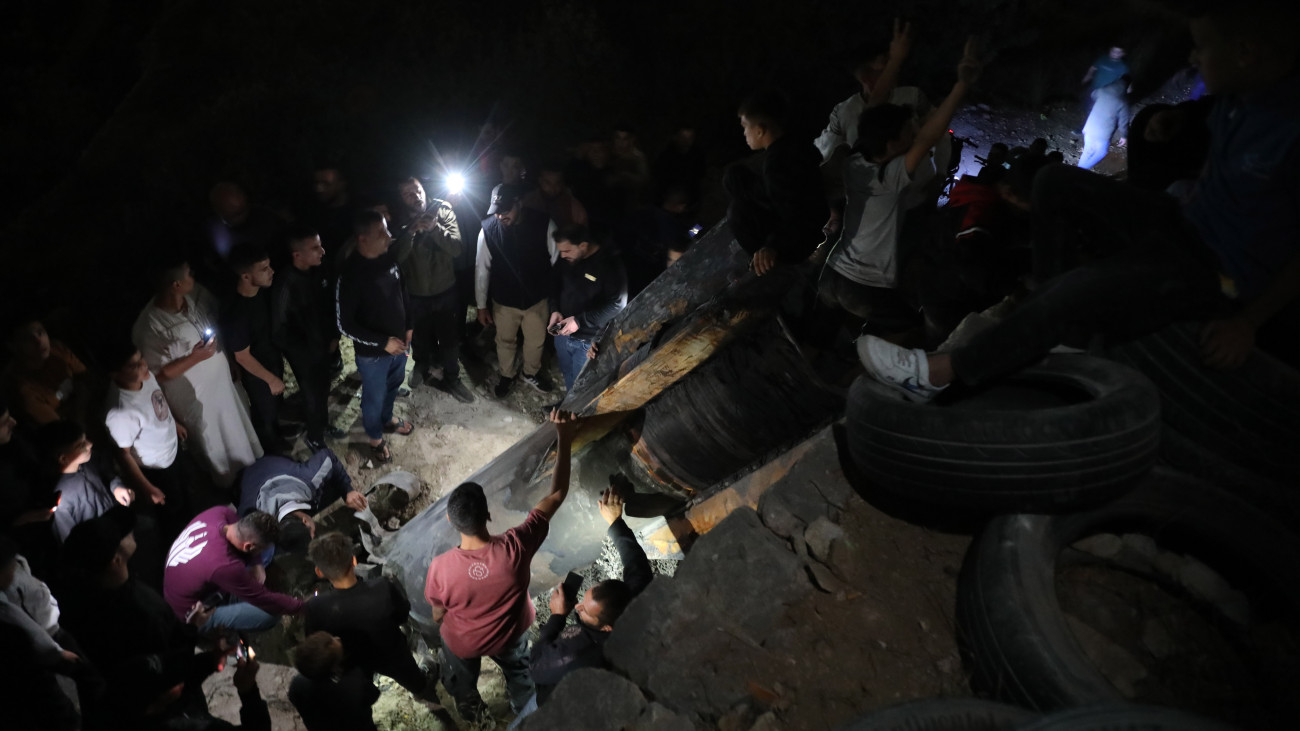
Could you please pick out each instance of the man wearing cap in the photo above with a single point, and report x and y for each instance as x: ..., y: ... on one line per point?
x: 515, y: 254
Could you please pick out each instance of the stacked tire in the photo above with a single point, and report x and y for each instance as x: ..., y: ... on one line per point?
x: 1064, y: 451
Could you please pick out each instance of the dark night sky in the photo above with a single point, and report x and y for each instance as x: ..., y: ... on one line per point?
x: 121, y: 115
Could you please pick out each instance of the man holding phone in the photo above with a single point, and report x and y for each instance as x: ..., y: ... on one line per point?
x: 561, y: 649
x: 589, y: 287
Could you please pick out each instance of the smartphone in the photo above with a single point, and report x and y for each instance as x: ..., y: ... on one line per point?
x: 554, y: 329
x: 208, y: 335
x: 58, y: 498
x: 572, y: 583
x: 243, y: 652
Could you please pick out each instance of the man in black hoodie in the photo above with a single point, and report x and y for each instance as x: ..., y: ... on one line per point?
x: 371, y: 307
x: 590, y: 287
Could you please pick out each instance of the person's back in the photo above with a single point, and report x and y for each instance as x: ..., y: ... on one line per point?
x: 372, y: 612
x: 336, y: 703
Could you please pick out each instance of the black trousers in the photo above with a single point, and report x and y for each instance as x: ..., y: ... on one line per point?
x: 179, y: 482
x: 437, y: 333
x: 1141, y: 266
x: 312, y: 371
x: 264, y: 407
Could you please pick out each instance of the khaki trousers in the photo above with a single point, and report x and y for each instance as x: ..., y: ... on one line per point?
x: 509, y: 321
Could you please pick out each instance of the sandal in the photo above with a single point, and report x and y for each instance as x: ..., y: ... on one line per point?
x: 401, y: 426
x: 380, y: 452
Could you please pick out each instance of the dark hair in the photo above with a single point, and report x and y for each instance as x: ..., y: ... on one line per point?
x: 864, y: 53
x: 333, y: 554
x: 259, y: 527
x: 299, y: 232
x: 574, y: 233
x: 168, y: 273
x: 878, y: 126
x: 8, y: 549
x: 245, y: 257
x: 613, y: 597
x: 768, y: 108
x: 551, y: 165
x: 467, y: 508
x: 56, y: 437
x: 315, y: 657
x: 115, y: 352
x: 680, y: 243
x: 1019, y: 179
x: 364, y: 220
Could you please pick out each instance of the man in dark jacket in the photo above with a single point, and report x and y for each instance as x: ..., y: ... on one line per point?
x: 304, y: 329
x: 560, y: 650
x: 515, y: 253
x: 426, y: 251
x: 293, y: 491
x: 366, y: 615
x: 776, y: 213
x: 590, y: 287
x: 372, y: 310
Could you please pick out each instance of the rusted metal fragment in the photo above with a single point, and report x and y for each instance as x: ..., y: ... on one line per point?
x: 667, y: 537
x: 703, y: 335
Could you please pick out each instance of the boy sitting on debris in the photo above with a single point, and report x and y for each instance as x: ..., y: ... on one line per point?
x: 1230, y: 254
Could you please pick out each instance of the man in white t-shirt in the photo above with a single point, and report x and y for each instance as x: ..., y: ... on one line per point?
x: 862, y: 271
x: 140, y: 422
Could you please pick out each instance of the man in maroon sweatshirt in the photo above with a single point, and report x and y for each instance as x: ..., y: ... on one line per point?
x: 213, y: 568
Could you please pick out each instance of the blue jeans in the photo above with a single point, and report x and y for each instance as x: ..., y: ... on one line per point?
x: 381, y: 376
x: 239, y: 616
x: 571, y: 353
x: 460, y: 676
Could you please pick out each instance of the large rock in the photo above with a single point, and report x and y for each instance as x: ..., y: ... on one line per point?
x: 588, y: 699
x: 690, y: 641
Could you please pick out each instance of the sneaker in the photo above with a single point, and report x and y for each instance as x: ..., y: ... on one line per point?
x: 503, y: 386
x: 313, y: 446
x: 539, y: 381
x: 403, y: 391
x: 906, y: 370
x: 335, y: 433
x: 458, y: 391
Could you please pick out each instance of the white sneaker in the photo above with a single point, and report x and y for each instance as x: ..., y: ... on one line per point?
x: 903, y: 369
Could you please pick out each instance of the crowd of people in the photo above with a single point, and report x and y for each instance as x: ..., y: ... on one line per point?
x: 139, y: 569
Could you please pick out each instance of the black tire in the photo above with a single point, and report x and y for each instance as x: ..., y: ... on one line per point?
x: 943, y: 714
x: 1069, y: 432
x: 1249, y: 416
x: 1013, y: 634
x: 1112, y: 716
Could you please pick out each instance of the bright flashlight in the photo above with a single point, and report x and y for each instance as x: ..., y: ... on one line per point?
x: 455, y: 183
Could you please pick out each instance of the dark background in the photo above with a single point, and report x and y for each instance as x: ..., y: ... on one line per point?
x: 120, y: 116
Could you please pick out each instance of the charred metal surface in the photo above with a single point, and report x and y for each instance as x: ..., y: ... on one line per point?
x: 696, y: 381
x: 756, y: 395
x: 669, y: 537
x: 689, y: 307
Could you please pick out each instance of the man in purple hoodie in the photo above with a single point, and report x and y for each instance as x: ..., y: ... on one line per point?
x: 213, y: 569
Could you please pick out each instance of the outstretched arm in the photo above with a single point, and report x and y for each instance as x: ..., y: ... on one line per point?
x: 899, y: 48
x: 565, y: 426
x: 968, y: 71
